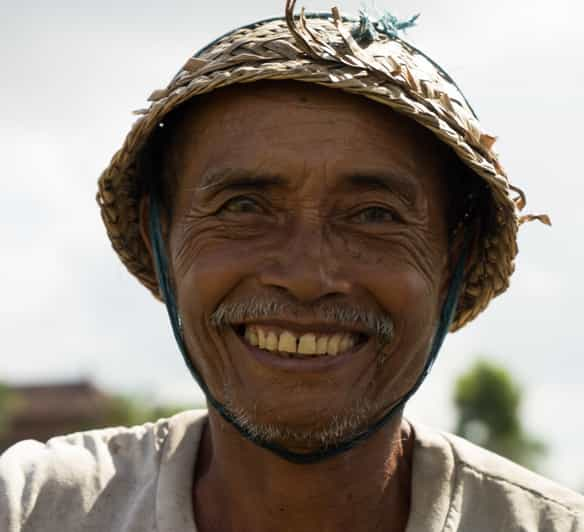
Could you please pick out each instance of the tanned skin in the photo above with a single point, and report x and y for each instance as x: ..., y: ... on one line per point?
x: 298, y: 193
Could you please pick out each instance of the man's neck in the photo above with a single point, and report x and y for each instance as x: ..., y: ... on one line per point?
x: 241, y: 487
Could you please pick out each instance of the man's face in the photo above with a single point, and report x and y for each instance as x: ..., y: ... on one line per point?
x: 308, y: 251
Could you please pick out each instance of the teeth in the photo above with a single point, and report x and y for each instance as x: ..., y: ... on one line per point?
x: 307, y: 344
x: 261, y: 338
x: 346, y: 343
x: 288, y: 343
x: 251, y: 335
x: 333, y: 344
x: 272, y: 341
x: 321, y: 345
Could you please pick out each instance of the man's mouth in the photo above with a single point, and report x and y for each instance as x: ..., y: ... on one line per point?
x: 291, y: 344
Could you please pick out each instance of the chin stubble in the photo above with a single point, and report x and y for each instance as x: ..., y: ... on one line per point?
x: 338, y: 428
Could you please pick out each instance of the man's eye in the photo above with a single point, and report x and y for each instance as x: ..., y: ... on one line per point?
x: 242, y: 205
x: 374, y: 215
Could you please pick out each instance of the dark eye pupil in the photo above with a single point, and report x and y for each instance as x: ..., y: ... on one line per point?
x: 242, y: 205
x: 375, y: 214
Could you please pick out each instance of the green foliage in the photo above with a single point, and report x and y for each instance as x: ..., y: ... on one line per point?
x: 488, y: 404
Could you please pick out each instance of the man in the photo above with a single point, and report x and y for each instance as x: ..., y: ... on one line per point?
x: 317, y: 205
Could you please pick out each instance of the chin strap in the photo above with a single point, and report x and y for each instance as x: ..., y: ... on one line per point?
x: 446, y: 316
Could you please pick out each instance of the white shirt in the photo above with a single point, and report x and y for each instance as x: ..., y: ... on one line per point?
x: 139, y: 480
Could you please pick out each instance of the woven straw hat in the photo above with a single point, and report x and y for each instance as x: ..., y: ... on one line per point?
x: 359, y: 56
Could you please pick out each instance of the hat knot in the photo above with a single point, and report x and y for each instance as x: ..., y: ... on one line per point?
x: 367, y: 29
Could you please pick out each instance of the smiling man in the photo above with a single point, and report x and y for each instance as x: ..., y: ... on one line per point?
x: 317, y: 205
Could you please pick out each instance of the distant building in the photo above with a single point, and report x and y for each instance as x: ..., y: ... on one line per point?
x: 40, y: 412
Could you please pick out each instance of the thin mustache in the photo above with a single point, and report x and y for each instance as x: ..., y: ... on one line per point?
x: 376, y: 323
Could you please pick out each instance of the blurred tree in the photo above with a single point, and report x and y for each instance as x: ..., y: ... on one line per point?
x: 127, y: 411
x: 3, y: 409
x: 7, y: 406
x: 488, y: 405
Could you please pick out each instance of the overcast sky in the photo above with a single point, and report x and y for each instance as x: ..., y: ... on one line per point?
x: 70, y: 74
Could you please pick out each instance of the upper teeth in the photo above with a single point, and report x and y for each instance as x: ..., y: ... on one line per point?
x: 305, y: 344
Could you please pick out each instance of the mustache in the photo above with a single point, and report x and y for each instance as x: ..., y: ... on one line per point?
x: 375, y: 322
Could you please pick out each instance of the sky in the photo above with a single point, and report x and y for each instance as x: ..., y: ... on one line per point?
x: 72, y: 72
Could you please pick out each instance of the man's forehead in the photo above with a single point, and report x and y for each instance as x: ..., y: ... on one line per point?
x: 284, y: 96
x: 304, y: 119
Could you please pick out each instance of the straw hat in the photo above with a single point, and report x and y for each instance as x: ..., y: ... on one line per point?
x: 359, y: 56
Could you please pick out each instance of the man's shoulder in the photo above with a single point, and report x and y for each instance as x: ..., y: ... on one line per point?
x: 494, y: 469
x: 489, y: 489
x: 76, y: 456
x: 76, y: 473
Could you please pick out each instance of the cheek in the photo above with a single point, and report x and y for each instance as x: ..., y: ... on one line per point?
x: 205, y: 275
x: 209, y: 262
x: 412, y: 304
x: 401, y: 269
x: 205, y: 259
x: 403, y: 274
x: 202, y: 270
x: 412, y: 300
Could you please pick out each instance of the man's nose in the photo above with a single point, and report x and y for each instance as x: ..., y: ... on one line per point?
x: 305, y: 266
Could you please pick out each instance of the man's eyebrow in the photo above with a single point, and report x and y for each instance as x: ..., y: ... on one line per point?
x: 403, y: 185
x: 400, y: 184
x: 238, y: 178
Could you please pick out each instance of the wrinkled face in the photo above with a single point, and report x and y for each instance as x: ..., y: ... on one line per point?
x: 308, y: 250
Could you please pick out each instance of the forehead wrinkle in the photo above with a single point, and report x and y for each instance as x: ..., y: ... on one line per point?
x: 228, y: 112
x: 222, y: 116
